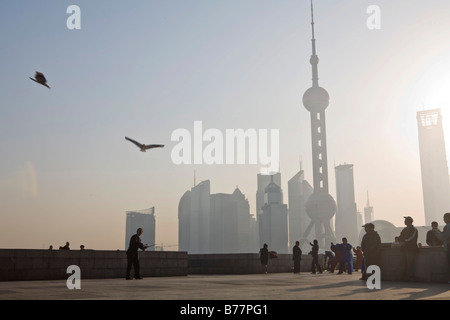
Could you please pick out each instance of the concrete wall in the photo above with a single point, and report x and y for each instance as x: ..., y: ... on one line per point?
x: 246, y: 263
x: 430, y: 265
x: 25, y: 264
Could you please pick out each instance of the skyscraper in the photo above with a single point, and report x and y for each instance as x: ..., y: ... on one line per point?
x: 273, y: 224
x: 230, y: 223
x: 194, y: 212
x: 215, y: 223
x: 346, y: 217
x: 368, y: 211
x: 299, y: 191
x: 433, y: 160
x: 263, y: 180
x: 359, y: 223
x: 320, y: 206
x: 144, y: 219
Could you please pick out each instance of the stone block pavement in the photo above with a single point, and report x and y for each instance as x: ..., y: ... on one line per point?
x: 256, y: 287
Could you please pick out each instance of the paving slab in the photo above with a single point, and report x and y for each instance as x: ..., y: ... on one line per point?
x: 258, y: 287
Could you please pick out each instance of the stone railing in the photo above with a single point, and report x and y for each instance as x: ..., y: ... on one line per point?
x: 244, y: 263
x: 430, y: 264
x: 27, y: 264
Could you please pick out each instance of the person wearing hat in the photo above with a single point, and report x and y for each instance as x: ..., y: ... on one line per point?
x: 432, y: 239
x: 371, y: 247
x: 408, y: 249
x: 445, y: 236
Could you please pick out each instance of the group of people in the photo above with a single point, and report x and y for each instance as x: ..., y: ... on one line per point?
x: 369, y: 253
x: 65, y: 247
x: 409, y: 246
x: 341, y: 254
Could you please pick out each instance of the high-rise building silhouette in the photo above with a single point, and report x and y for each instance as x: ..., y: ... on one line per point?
x: 194, y: 212
x: 215, y: 223
x: 299, y: 191
x: 230, y: 223
x: 368, y: 211
x: 359, y: 224
x: 144, y: 219
x: 320, y: 206
x: 263, y: 180
x: 273, y: 224
x: 433, y: 160
x: 346, y: 214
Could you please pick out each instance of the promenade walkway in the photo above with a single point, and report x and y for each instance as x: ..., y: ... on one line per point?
x: 258, y: 287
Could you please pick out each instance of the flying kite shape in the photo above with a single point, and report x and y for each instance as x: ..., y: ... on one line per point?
x: 144, y: 147
x: 40, y: 78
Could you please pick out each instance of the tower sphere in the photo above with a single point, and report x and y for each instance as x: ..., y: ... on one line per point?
x: 316, y: 99
x: 320, y: 207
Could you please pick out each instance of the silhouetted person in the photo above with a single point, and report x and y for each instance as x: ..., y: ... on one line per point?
x: 66, y: 247
x: 371, y: 247
x: 50, y: 248
x: 264, y: 256
x: 445, y: 237
x: 315, y: 256
x: 82, y: 247
x: 346, y: 256
x: 328, y: 260
x: 133, y: 255
x: 337, y: 257
x: 408, y: 249
x: 297, y: 256
x: 359, y: 257
x: 432, y: 239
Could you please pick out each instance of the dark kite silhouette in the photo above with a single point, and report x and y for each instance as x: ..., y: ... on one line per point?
x: 40, y: 78
x: 144, y: 147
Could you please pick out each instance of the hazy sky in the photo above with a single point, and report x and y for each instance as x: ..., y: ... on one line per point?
x: 145, y: 68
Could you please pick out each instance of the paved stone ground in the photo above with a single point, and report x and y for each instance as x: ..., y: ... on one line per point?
x: 280, y: 286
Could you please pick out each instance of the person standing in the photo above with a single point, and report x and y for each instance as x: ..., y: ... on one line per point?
x: 297, y: 256
x: 408, y: 249
x: 359, y: 257
x: 328, y: 260
x: 346, y: 256
x: 315, y: 256
x: 264, y: 256
x: 432, y: 239
x: 445, y: 237
x: 133, y: 255
x: 337, y: 257
x: 371, y: 247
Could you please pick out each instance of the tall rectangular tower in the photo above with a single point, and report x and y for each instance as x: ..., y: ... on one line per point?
x: 299, y: 191
x: 346, y: 217
x: 433, y: 160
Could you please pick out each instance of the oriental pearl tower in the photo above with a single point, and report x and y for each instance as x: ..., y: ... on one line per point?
x: 320, y: 206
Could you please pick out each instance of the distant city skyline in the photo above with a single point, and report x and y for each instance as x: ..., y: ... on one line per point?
x: 146, y: 70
